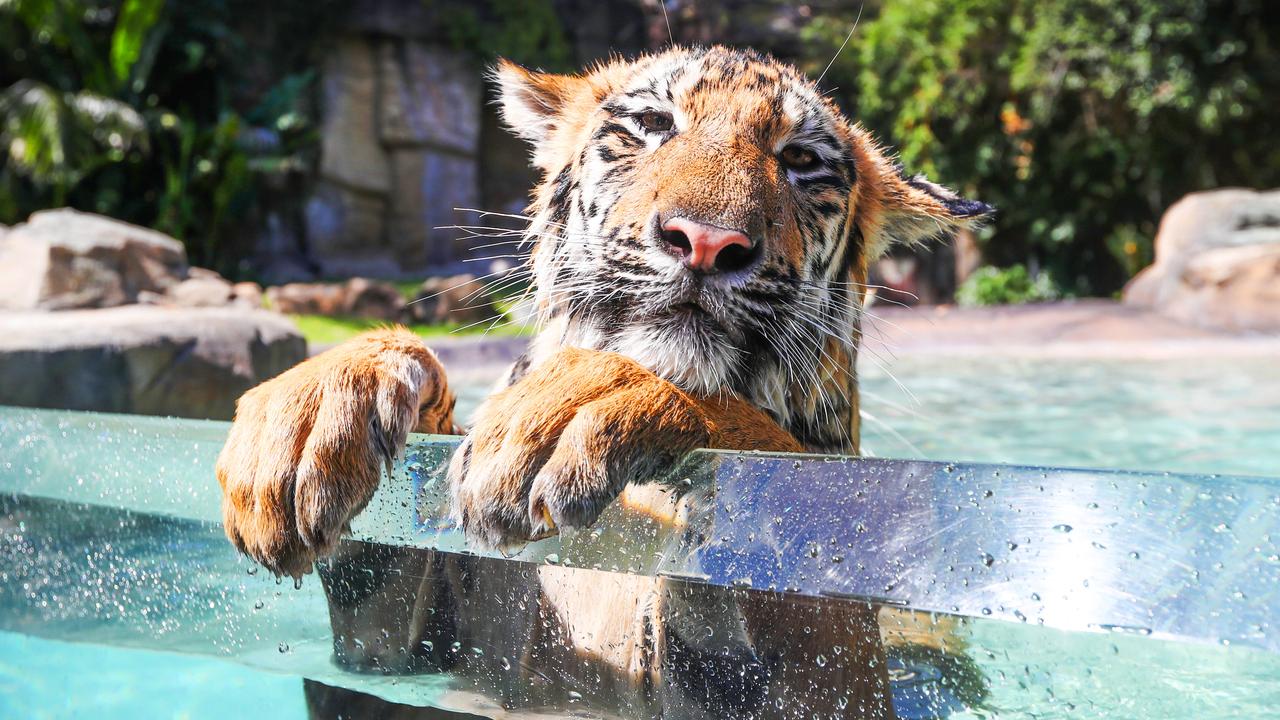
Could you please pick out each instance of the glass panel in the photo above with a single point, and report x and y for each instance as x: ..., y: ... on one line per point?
x: 753, y: 587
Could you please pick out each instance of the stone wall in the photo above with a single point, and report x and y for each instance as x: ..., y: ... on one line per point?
x: 399, y: 155
x: 408, y: 136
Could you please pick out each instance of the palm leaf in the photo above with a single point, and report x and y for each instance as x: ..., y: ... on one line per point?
x: 56, y: 139
x: 137, y: 18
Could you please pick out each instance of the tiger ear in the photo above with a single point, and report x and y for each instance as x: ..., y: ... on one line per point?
x: 899, y: 209
x: 531, y: 101
x: 917, y: 209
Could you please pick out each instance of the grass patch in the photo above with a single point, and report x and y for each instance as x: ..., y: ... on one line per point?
x: 325, y: 330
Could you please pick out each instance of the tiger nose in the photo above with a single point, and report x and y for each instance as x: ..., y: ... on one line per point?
x: 707, y: 248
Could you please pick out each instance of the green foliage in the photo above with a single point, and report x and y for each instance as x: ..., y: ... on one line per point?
x: 325, y: 330
x: 1006, y: 286
x: 136, y: 109
x: 1081, y: 120
x: 137, y: 18
x: 526, y: 31
x: 57, y: 138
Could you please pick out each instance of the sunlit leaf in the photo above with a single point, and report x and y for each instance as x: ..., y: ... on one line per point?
x: 137, y: 18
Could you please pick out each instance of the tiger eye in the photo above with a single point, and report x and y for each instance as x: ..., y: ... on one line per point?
x: 654, y: 121
x: 798, y: 158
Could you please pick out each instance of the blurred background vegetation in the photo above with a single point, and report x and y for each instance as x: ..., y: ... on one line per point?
x: 156, y: 113
x: 1081, y: 120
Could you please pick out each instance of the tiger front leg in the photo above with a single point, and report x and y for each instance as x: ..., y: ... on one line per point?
x: 554, y: 449
x: 306, y: 449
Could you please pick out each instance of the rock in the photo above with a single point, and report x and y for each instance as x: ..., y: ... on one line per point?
x: 307, y: 298
x: 1233, y: 289
x: 400, y: 142
x: 280, y: 271
x: 430, y: 96
x: 201, y: 292
x: 431, y: 190
x: 350, y: 153
x: 344, y: 223
x: 280, y: 251
x: 199, y: 273
x: 370, y: 299
x: 456, y: 300
x: 191, y: 362
x: 206, y: 288
x: 358, y: 297
x: 247, y: 295
x: 1217, y: 262
x: 64, y: 259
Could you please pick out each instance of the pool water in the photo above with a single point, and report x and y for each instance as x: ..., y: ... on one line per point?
x: 1179, y: 415
x: 1175, y: 415
x: 48, y: 679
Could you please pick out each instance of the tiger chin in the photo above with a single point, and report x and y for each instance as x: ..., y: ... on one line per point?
x: 702, y: 235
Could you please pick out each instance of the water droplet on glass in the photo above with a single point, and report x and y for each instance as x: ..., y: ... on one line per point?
x: 283, y: 647
x: 821, y: 660
x: 1063, y: 528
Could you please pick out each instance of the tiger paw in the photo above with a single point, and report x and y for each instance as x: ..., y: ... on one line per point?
x: 557, y: 447
x: 306, y: 449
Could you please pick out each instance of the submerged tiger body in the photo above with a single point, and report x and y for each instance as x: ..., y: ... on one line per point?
x: 701, y: 238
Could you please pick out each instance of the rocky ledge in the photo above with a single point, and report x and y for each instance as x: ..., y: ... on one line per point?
x: 191, y: 362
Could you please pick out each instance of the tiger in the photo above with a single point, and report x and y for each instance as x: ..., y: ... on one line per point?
x: 701, y: 235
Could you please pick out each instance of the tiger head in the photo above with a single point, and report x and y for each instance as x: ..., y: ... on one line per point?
x: 710, y: 214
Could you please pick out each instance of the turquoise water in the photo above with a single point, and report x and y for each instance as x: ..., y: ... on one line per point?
x: 1186, y: 415
x: 1183, y: 415
x: 47, y: 679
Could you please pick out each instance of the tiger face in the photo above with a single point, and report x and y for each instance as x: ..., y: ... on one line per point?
x: 710, y: 214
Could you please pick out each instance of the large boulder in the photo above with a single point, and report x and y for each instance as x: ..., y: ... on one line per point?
x: 1217, y: 262
x: 64, y: 259
x: 143, y: 359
